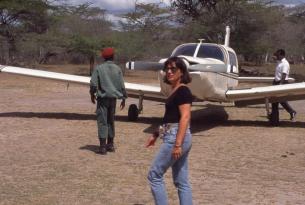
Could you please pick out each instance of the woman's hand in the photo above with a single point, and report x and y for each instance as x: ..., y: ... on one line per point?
x: 151, y: 141
x: 177, y: 152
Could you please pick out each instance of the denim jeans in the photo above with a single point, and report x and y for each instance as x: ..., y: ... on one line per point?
x: 163, y: 161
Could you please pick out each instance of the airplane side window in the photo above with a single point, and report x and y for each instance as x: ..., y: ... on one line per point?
x: 209, y: 51
x: 186, y: 50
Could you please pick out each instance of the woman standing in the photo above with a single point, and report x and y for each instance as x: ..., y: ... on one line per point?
x: 177, y: 138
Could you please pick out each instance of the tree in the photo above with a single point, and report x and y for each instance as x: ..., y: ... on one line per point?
x: 249, y: 22
x: 147, y: 18
x: 147, y: 29
x: 295, y: 40
x: 88, y: 47
x: 84, y: 20
x: 195, y: 8
x: 18, y: 17
x: 89, y: 31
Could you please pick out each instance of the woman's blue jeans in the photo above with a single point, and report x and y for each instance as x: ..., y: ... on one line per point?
x: 163, y: 161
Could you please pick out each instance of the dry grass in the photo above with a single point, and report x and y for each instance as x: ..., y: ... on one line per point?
x: 48, y: 143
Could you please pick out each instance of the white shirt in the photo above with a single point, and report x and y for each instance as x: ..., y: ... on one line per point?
x: 282, y: 67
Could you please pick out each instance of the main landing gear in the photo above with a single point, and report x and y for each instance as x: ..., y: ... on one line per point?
x: 134, y: 110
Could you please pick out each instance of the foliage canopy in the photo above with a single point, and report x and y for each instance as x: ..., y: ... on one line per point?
x: 41, y: 31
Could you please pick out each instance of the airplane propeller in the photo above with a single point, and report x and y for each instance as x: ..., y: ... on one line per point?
x: 206, y: 65
x: 144, y: 65
x: 149, y: 65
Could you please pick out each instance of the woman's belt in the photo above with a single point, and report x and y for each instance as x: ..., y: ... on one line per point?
x: 165, y: 127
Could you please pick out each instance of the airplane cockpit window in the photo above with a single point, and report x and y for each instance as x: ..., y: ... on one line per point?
x: 210, y: 51
x: 186, y: 50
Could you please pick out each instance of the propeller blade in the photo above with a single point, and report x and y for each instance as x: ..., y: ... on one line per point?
x: 208, y: 67
x: 144, y: 65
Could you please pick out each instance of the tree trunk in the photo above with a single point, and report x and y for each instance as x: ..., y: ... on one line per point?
x: 266, y: 57
x: 11, y: 50
x: 46, y: 57
x: 91, y: 60
x: 4, y: 53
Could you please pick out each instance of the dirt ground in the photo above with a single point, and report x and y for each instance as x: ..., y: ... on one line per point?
x: 48, y: 144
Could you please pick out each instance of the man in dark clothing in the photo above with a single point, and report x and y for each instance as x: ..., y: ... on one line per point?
x: 106, y: 86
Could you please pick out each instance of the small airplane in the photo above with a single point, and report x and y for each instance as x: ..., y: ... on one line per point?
x: 214, y: 71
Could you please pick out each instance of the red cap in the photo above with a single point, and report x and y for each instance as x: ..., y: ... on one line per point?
x: 107, y: 52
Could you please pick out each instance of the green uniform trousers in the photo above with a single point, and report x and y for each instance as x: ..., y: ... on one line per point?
x: 105, y: 112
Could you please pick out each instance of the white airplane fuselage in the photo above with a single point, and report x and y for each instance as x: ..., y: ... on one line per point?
x: 213, y: 68
x: 209, y: 86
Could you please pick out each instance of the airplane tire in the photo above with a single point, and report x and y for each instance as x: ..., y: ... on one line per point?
x: 133, y: 112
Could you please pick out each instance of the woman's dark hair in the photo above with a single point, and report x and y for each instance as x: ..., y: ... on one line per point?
x: 185, y: 78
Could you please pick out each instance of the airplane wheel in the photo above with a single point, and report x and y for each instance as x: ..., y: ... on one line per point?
x: 133, y: 112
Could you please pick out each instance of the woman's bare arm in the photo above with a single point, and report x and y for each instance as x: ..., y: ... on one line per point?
x: 185, y: 113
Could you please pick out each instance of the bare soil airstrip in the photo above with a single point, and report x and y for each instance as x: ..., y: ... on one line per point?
x: 48, y: 144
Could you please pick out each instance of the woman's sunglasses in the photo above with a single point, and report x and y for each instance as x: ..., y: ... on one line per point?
x: 173, y: 69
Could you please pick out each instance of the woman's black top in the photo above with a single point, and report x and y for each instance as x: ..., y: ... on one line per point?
x: 181, y: 96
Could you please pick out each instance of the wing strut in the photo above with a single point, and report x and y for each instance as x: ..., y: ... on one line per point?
x: 267, y: 107
x: 141, y: 98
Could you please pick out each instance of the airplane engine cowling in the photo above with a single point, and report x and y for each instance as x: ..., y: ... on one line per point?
x: 186, y: 63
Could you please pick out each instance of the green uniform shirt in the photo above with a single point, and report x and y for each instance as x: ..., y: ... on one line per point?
x: 107, y: 80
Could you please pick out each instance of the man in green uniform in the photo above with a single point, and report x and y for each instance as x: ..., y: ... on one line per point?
x: 106, y: 86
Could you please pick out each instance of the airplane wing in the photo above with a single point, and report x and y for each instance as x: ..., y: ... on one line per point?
x: 274, y: 93
x: 242, y: 79
x: 133, y: 89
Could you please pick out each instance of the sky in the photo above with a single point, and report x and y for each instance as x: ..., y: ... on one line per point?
x: 114, y: 5
x: 291, y: 1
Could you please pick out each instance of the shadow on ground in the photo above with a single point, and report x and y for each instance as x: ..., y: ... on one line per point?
x: 208, y: 117
x: 92, y: 148
x: 49, y: 115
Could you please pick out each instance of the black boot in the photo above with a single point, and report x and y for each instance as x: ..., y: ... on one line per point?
x: 102, y: 149
x: 110, y: 146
